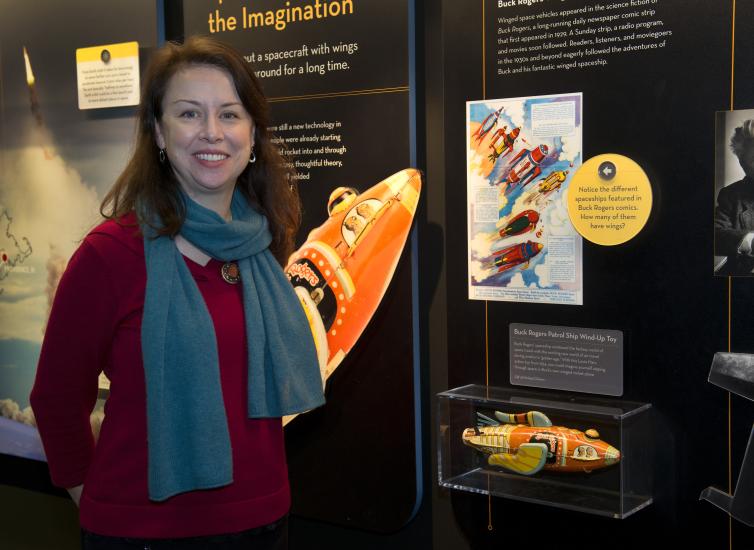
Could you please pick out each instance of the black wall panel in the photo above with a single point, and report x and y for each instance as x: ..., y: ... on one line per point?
x: 657, y: 108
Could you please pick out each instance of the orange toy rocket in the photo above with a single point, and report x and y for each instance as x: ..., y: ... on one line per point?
x: 528, y: 442
x: 344, y: 268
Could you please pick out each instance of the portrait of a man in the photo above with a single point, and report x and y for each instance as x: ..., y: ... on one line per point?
x: 734, y: 209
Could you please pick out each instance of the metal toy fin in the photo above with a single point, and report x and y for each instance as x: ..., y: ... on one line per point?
x: 535, y: 419
x: 529, y: 459
x: 484, y: 420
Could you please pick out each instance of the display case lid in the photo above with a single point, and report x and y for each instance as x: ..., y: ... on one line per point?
x: 612, y: 408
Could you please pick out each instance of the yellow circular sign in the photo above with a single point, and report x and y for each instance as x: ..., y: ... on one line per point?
x: 609, y: 199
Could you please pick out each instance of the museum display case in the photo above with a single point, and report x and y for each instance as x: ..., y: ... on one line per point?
x: 579, y: 453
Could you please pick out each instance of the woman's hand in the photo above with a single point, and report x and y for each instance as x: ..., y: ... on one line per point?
x: 75, y: 493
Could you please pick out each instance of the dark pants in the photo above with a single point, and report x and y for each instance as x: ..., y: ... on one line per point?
x: 267, y: 537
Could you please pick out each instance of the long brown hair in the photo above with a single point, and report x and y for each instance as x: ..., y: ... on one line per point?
x: 148, y: 185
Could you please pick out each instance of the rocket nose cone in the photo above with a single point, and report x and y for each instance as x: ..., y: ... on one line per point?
x: 540, y: 246
x: 612, y: 455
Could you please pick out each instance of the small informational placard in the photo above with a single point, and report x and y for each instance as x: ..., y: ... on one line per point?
x: 577, y: 359
x: 609, y: 200
x: 108, y: 76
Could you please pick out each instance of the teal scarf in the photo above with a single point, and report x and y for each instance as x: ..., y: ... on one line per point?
x: 187, y: 431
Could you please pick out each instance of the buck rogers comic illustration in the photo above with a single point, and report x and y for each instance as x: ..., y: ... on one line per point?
x: 521, y: 155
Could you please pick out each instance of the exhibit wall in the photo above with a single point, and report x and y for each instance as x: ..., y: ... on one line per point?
x: 56, y: 163
x: 652, y: 75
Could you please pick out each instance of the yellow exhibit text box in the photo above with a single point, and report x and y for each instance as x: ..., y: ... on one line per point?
x: 609, y: 199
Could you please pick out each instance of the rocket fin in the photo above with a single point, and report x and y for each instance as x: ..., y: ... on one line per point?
x: 535, y: 419
x: 484, y: 420
x: 529, y: 459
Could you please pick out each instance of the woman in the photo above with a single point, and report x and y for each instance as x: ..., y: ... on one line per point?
x: 180, y: 298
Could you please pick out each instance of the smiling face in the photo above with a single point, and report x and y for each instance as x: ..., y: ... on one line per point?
x: 207, y: 132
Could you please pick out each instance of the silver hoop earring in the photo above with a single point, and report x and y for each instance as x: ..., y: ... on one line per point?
x: 162, y: 156
x: 253, y: 158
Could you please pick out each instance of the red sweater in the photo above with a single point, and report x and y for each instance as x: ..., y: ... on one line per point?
x: 95, y: 325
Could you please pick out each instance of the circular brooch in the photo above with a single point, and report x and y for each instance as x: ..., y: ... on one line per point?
x: 230, y: 272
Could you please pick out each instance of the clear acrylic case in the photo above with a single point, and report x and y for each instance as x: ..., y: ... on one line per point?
x: 595, y: 457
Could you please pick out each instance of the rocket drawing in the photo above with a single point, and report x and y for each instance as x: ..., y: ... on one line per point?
x: 488, y: 124
x: 553, y: 181
x: 502, y: 143
x: 524, y: 167
x: 521, y: 223
x: 514, y: 255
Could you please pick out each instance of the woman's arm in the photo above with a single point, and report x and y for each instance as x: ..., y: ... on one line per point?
x: 74, y: 352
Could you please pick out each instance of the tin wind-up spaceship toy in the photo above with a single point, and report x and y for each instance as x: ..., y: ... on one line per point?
x: 527, y: 443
